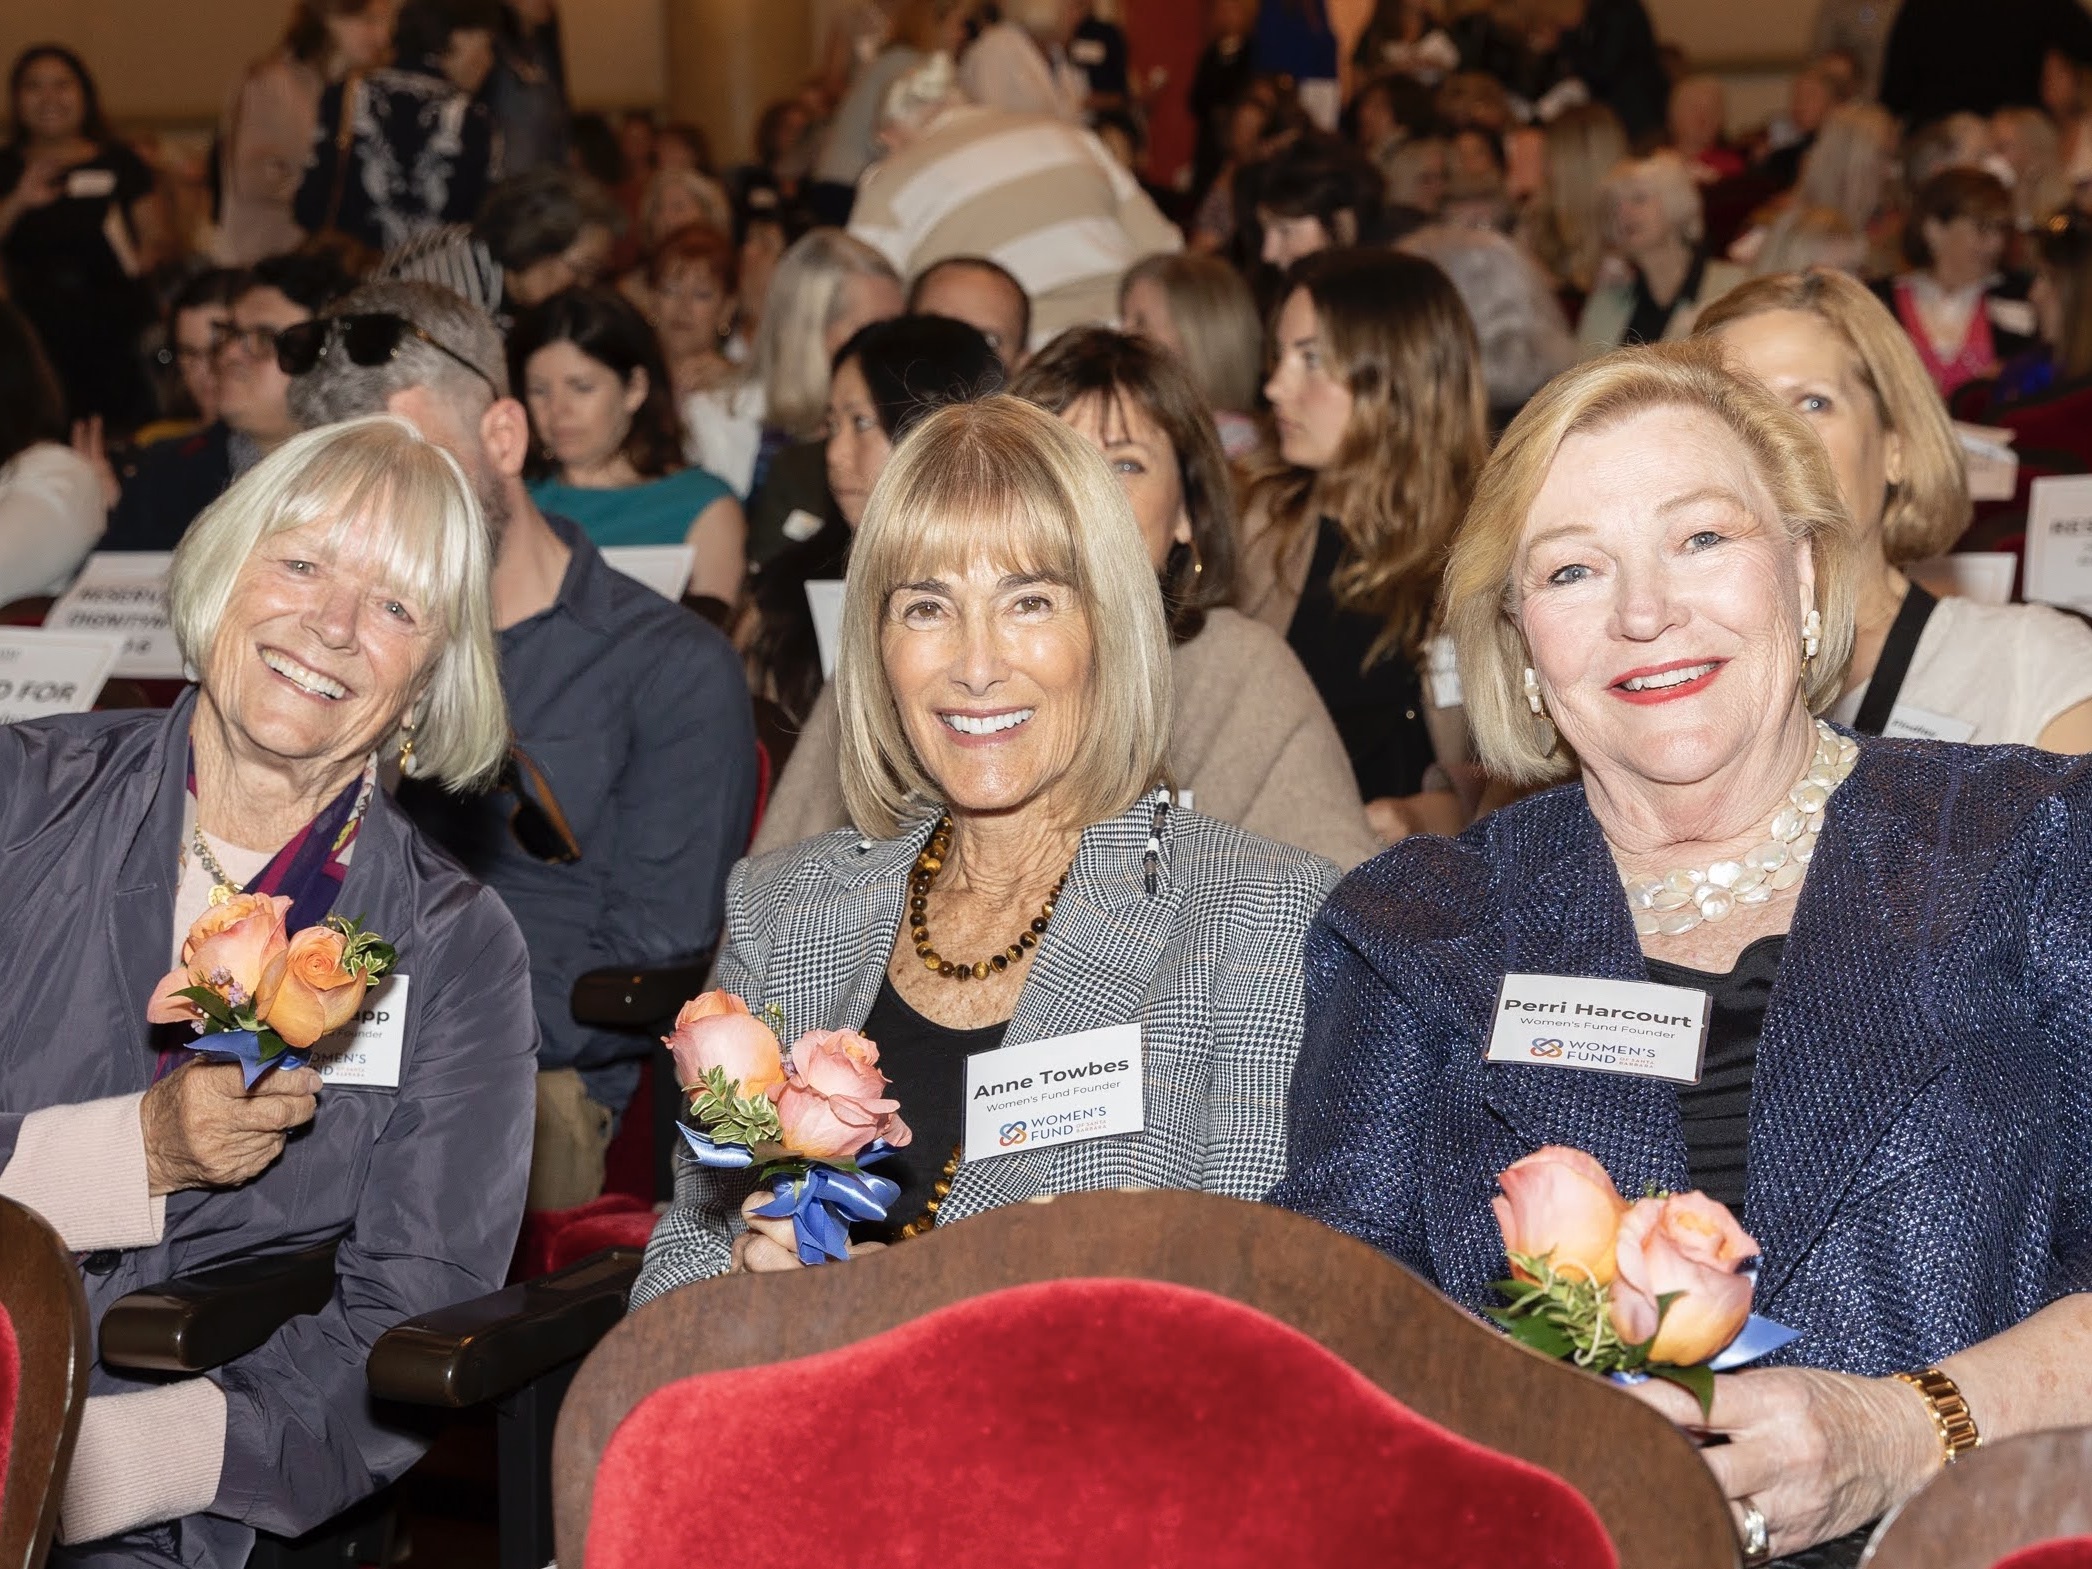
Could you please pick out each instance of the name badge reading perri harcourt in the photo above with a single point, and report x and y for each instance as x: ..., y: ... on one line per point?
x: 1054, y: 1092
x: 1573, y: 1021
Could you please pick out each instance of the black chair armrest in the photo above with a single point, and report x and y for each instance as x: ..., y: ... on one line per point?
x: 638, y: 999
x: 210, y: 1318
x: 493, y: 1345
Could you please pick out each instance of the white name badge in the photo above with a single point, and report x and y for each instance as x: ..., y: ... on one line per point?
x: 1060, y: 1091
x: 1988, y: 460
x: 1918, y: 724
x: 1444, y: 673
x: 1984, y: 576
x: 365, y: 1052
x: 89, y: 185
x: 824, y: 597
x: 1573, y: 1021
x: 52, y: 672
x: 663, y: 568
x: 124, y: 592
x: 801, y: 525
x: 2059, y: 542
x: 2015, y: 316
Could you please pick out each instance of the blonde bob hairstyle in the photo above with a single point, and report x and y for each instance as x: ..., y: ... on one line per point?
x: 1667, y: 177
x: 1928, y: 509
x: 436, y: 552
x: 1481, y: 605
x: 1003, y: 482
x: 805, y: 300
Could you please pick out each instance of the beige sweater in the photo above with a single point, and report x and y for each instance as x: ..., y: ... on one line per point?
x: 1249, y: 738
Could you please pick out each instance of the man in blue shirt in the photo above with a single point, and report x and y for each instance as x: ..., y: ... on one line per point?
x: 631, y: 785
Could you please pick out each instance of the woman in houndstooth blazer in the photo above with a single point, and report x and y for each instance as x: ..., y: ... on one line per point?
x: 1003, y: 686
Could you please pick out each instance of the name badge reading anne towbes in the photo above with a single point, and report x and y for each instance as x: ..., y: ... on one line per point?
x: 1573, y: 1021
x: 1054, y: 1092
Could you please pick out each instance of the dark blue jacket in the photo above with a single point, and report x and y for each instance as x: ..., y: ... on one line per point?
x: 166, y: 485
x: 1921, y: 1118
x: 426, y: 1181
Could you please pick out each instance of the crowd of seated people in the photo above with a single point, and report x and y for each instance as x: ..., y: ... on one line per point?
x: 1223, y: 599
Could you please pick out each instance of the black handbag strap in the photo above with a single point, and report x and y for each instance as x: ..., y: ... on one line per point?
x: 1897, y: 651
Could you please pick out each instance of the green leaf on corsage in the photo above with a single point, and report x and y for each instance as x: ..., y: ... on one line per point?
x: 1698, y: 1381
x: 730, y: 1117
x: 213, y: 1007
x: 366, y: 954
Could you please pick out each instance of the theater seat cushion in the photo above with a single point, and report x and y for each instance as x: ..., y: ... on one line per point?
x: 1110, y: 1423
x: 10, y: 1388
x: 2074, y: 1552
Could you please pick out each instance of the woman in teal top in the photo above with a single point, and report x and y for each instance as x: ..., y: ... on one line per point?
x: 607, y: 442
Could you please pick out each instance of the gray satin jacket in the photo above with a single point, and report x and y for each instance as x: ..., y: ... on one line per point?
x: 424, y: 1183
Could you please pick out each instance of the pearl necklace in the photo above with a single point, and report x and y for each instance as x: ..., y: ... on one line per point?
x: 1676, y: 902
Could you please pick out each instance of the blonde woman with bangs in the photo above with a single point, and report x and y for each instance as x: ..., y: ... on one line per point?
x: 1652, y: 597
x: 1949, y: 669
x: 1380, y: 405
x: 335, y: 605
x: 1020, y: 869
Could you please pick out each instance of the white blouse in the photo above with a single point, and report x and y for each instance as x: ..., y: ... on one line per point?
x: 1995, y: 673
x: 50, y: 517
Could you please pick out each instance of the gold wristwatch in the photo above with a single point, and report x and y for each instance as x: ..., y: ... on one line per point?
x: 1950, y: 1413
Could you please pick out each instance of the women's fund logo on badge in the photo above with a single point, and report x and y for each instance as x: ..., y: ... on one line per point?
x: 1045, y: 1093
x: 1605, y: 1026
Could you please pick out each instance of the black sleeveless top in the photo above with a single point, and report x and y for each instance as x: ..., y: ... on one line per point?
x: 1716, y: 1111
x: 925, y: 1067
x: 1378, y: 709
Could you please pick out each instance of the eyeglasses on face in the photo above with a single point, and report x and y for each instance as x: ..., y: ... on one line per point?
x: 257, y: 341
x: 368, y: 338
x: 185, y: 354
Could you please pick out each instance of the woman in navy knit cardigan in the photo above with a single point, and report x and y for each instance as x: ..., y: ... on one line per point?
x: 1656, y: 583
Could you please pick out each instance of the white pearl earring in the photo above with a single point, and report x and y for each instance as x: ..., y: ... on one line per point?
x: 1532, y: 691
x: 1811, y: 634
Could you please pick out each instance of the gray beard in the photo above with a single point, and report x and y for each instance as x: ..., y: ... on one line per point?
x: 494, y: 504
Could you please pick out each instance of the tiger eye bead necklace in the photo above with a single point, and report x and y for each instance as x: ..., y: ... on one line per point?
x: 927, y: 865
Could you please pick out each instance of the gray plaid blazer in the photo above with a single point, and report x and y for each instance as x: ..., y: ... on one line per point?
x: 1209, y: 963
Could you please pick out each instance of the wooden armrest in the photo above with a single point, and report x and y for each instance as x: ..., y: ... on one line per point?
x: 210, y: 1318
x: 495, y: 1344
x: 638, y: 999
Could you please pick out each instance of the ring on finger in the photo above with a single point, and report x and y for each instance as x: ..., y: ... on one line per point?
x: 1753, y: 1534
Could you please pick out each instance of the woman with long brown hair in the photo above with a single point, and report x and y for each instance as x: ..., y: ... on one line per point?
x: 1381, y: 411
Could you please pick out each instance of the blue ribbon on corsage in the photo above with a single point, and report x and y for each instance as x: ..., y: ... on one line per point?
x: 716, y: 1153
x: 822, y: 1202
x: 1759, y: 1337
x: 244, y: 1047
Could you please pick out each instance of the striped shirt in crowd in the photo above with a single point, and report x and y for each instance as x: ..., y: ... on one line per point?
x: 1042, y: 198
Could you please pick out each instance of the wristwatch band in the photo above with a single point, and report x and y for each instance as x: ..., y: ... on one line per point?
x: 1950, y: 1413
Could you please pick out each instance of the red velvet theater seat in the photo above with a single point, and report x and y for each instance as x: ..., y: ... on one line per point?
x: 43, y: 1379
x: 1111, y: 1423
x: 2075, y: 1553
x: 10, y: 1388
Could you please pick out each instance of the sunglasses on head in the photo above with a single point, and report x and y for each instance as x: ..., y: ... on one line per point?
x: 537, y: 824
x: 368, y: 338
